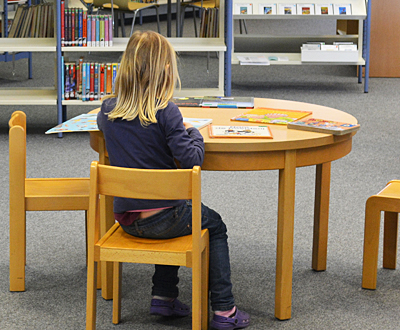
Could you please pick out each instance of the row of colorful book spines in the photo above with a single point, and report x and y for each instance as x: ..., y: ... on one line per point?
x: 80, y: 29
x: 95, y: 79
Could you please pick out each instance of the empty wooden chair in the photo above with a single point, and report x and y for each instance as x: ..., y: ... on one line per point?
x: 34, y: 194
x: 387, y: 200
x: 117, y: 246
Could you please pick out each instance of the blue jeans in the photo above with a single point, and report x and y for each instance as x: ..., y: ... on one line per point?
x: 175, y: 222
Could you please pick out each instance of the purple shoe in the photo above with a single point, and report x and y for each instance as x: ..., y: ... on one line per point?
x: 239, y: 321
x: 169, y: 308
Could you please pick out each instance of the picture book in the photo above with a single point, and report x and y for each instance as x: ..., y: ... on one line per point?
x: 198, y: 122
x: 88, y: 122
x: 271, y: 116
x: 82, y: 123
x: 218, y: 131
x: 228, y: 102
x: 324, y: 126
x: 188, y: 101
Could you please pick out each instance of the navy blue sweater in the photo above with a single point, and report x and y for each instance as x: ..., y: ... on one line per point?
x: 155, y: 146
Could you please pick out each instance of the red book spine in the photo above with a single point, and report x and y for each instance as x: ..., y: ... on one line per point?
x: 102, y: 68
x: 84, y: 29
x: 62, y: 23
x: 91, y: 95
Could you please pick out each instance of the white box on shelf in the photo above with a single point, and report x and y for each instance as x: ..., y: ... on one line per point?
x: 342, y: 9
x: 267, y: 9
x: 243, y: 9
x: 305, y: 9
x: 329, y: 56
x: 287, y: 9
x: 324, y: 9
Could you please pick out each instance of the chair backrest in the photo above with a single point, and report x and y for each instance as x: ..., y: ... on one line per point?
x: 17, y: 154
x: 147, y: 184
x: 119, y: 4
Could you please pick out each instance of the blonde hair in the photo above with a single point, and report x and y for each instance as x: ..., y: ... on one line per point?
x: 146, y: 79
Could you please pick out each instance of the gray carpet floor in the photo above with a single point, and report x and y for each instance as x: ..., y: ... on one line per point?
x: 55, y: 294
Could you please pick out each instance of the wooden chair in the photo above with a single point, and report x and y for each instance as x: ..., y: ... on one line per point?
x: 118, y: 246
x: 196, y: 5
x: 34, y: 194
x: 387, y: 200
x: 127, y: 6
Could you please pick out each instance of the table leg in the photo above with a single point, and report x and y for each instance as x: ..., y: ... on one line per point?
x: 284, y: 250
x: 321, y: 216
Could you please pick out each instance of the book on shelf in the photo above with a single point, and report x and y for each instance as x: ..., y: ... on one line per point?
x: 78, y: 29
x: 88, y: 81
x: 253, y: 60
x: 228, y: 102
x: 209, y: 23
x: 271, y: 116
x: 88, y: 123
x: 223, y: 131
x: 35, y: 21
x: 187, y: 101
x: 324, y: 126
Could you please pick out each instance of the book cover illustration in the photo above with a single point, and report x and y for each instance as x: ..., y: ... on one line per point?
x: 82, y: 123
x: 271, y: 116
x: 188, y: 101
x: 228, y: 102
x: 218, y: 131
x: 324, y: 126
x: 88, y: 122
x: 199, y: 123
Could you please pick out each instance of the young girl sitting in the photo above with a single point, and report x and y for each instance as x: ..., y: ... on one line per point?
x: 143, y: 129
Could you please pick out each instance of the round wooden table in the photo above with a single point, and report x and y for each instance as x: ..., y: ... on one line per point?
x: 287, y: 150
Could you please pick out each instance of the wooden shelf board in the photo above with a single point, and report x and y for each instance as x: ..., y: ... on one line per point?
x: 179, y: 44
x: 27, y: 44
x: 294, y: 59
x: 24, y: 96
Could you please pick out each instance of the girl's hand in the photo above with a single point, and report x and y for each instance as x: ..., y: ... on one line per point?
x: 187, y: 125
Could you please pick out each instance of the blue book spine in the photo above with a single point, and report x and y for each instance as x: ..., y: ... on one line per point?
x: 87, y: 81
x: 83, y: 81
x: 62, y: 78
x: 97, y: 31
x: 89, y: 30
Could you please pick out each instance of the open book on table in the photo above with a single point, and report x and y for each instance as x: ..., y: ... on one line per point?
x: 88, y: 122
x: 220, y: 131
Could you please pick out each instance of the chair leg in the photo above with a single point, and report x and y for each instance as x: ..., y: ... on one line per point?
x: 17, y: 249
x: 371, y: 243
x: 91, y: 303
x: 158, y: 20
x: 390, y: 240
x: 133, y: 20
x: 195, y: 22
x: 123, y: 24
x: 117, y: 292
x: 204, y: 289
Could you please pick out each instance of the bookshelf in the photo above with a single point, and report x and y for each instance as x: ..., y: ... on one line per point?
x: 353, y: 27
x: 5, y: 54
x: 179, y: 44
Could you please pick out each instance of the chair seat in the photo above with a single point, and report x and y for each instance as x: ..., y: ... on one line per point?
x: 130, y: 6
x: 174, y: 251
x: 54, y: 194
